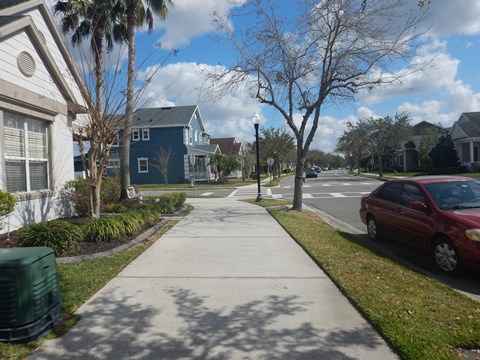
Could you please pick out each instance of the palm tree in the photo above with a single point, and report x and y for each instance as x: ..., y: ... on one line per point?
x: 136, y: 16
x: 96, y: 20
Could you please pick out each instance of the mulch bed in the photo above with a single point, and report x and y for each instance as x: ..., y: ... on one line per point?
x: 85, y: 248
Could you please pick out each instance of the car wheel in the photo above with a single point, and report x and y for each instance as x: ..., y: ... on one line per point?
x: 446, y: 256
x: 372, y: 229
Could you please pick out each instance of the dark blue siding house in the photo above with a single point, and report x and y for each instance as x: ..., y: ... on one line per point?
x: 178, y: 129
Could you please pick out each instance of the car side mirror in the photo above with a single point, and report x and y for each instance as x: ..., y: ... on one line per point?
x: 417, y: 205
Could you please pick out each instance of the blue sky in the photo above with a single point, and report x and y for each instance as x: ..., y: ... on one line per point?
x: 438, y: 94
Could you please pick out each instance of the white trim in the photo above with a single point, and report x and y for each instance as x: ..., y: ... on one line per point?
x: 139, y: 160
x: 136, y: 135
x: 145, y: 134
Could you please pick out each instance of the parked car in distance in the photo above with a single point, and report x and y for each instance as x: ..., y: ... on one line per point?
x: 311, y: 173
x: 440, y: 214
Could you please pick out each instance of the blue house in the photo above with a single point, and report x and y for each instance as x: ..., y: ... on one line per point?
x: 178, y: 130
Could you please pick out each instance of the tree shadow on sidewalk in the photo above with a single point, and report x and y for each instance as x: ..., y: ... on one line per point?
x: 114, y: 328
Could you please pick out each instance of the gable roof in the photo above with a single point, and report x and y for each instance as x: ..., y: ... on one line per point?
x: 14, y: 17
x: 419, y: 128
x: 228, y: 146
x: 176, y: 116
x: 468, y: 124
x: 9, y: 3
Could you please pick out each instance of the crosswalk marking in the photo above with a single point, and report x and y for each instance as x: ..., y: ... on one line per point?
x: 206, y: 194
x: 307, y: 196
x: 337, y: 195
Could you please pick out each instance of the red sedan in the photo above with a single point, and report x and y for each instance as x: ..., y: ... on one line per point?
x: 436, y: 213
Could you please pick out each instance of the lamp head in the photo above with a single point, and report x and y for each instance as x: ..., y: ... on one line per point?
x: 256, y: 119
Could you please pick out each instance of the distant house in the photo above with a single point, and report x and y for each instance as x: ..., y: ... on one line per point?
x: 407, y: 156
x: 231, y: 148
x: 178, y: 129
x: 40, y: 96
x: 465, y: 134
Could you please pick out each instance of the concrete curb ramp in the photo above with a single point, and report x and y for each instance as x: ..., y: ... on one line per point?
x: 226, y: 282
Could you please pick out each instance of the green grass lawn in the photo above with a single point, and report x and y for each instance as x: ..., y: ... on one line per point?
x: 418, y: 316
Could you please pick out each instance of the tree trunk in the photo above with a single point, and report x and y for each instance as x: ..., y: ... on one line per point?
x: 96, y: 201
x: 127, y: 127
x: 299, y: 180
x: 380, y: 166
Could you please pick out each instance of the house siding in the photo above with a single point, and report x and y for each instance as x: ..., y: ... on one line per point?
x: 38, y: 97
x: 41, y: 82
x: 160, y: 138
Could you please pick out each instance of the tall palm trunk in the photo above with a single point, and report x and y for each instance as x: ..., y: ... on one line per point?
x: 127, y: 127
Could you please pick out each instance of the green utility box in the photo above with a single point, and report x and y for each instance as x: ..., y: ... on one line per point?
x: 29, y: 293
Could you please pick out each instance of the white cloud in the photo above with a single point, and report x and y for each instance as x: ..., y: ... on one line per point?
x: 180, y: 83
x: 191, y: 18
x: 459, y: 17
x: 432, y: 68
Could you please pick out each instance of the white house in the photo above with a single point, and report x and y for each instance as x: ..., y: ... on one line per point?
x: 40, y: 96
x: 465, y: 134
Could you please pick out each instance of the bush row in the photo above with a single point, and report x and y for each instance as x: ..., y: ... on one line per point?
x: 65, y: 237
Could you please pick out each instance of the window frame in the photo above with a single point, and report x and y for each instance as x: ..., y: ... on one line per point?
x: 34, y: 149
x: 135, y: 134
x: 139, y: 165
x: 145, y: 134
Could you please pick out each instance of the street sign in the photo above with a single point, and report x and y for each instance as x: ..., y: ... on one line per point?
x: 270, y: 161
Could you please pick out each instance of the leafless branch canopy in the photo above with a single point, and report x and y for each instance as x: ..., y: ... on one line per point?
x: 317, y: 52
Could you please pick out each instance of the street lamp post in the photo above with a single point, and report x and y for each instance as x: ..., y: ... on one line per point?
x: 256, y: 123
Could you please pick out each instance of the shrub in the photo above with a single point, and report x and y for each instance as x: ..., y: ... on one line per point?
x: 103, y: 229
x: 149, y: 213
x: 176, y: 199
x: 7, y: 204
x: 444, y: 170
x: 115, y: 208
x: 76, y: 191
x: 59, y: 235
x: 132, y: 222
x: 110, y: 190
x: 165, y: 208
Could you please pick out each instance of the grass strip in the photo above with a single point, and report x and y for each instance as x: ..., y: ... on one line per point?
x: 420, y: 317
x: 78, y: 283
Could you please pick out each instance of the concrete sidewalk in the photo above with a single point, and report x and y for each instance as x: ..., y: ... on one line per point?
x: 227, y: 282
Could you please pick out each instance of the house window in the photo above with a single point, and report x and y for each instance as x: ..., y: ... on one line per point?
x: 145, y: 134
x: 116, y: 141
x: 190, y: 132
x: 113, y: 164
x: 135, y: 134
x: 196, y: 136
x: 26, y: 153
x: 142, y: 165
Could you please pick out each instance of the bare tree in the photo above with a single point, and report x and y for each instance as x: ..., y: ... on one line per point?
x: 98, y: 129
x: 249, y: 160
x: 326, y: 54
x: 161, y: 160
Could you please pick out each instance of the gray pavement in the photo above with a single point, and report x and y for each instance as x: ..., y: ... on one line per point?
x: 227, y: 282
